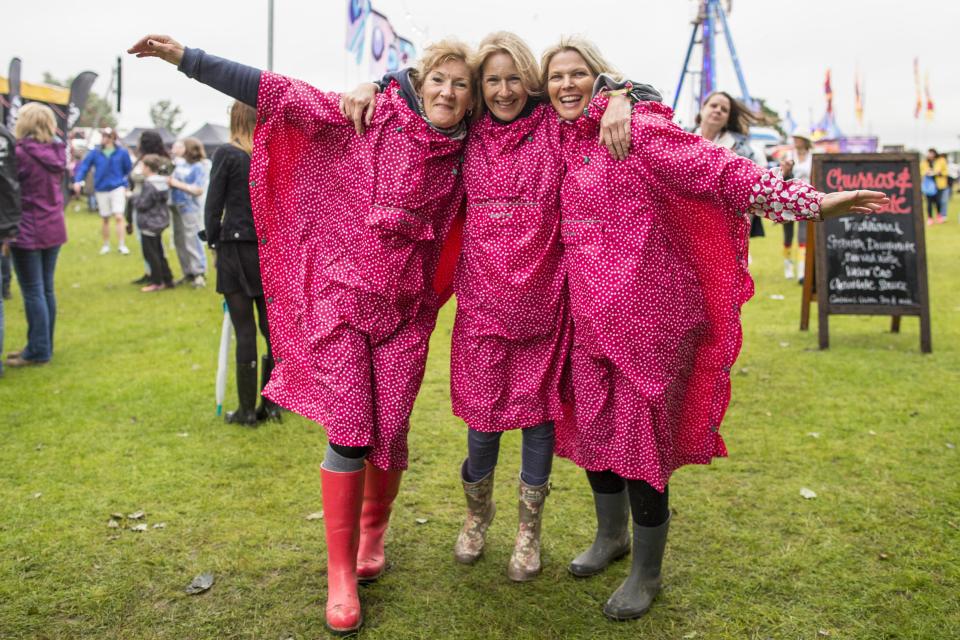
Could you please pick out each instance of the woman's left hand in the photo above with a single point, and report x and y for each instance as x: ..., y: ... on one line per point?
x: 615, y: 126
x: 842, y: 203
x: 158, y: 46
x: 358, y: 105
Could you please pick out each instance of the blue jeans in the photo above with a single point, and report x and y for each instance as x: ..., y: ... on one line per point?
x: 34, y: 269
x: 944, y: 201
x: 536, y: 459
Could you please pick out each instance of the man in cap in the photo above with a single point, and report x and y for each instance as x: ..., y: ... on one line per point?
x: 111, y: 165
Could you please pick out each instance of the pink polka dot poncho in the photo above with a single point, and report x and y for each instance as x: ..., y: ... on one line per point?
x: 349, y: 229
x: 655, y: 248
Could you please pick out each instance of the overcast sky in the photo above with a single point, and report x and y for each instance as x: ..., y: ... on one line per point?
x: 785, y: 47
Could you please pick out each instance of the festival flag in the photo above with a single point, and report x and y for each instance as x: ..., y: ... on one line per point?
x: 408, y: 52
x: 79, y: 92
x: 790, y: 125
x: 828, y: 91
x: 13, y: 94
x: 858, y: 98
x: 357, y: 12
x: 384, y: 55
x: 916, y: 81
x: 926, y: 90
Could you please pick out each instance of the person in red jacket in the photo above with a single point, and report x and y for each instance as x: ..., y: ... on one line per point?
x: 350, y: 229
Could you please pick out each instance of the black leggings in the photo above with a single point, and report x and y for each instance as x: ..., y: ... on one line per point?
x: 649, y: 507
x: 241, y: 314
x: 351, y: 452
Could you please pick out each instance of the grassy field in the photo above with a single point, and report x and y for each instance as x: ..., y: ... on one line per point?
x: 123, y: 420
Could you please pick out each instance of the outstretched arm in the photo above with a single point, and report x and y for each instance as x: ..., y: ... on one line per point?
x: 236, y: 80
x: 698, y: 169
x: 80, y: 174
x: 842, y: 203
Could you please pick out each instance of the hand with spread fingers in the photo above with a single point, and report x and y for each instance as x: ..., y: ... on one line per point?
x: 843, y: 203
x: 359, y: 105
x: 615, y: 126
x: 157, y: 46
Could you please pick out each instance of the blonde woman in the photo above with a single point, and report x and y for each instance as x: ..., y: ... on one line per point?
x: 655, y: 255
x: 350, y: 229
x: 41, y: 163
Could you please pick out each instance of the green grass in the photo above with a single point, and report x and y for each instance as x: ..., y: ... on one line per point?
x: 123, y: 419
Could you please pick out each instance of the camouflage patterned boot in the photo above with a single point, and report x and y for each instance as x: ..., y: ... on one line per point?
x: 525, y: 561
x: 480, y: 512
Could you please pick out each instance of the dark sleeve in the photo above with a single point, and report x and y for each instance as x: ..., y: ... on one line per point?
x: 384, y: 82
x: 638, y: 92
x: 216, y: 196
x: 10, y: 206
x: 226, y: 76
x: 127, y: 163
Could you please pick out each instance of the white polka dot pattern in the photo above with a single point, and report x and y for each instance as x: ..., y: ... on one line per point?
x: 656, y: 256
x: 512, y: 331
x: 348, y: 228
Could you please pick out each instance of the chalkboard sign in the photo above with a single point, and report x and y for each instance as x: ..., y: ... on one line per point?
x: 871, y: 264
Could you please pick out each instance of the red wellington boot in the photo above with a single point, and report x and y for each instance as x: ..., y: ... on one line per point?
x: 342, y: 500
x: 379, y: 491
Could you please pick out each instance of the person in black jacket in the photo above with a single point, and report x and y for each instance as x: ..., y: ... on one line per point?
x: 9, y: 212
x: 228, y: 219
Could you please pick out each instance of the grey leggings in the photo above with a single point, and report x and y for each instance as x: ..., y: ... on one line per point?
x: 483, y: 450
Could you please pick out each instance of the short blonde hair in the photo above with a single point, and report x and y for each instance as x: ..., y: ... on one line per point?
x: 36, y: 120
x: 439, y: 53
x: 587, y: 50
x: 519, y: 52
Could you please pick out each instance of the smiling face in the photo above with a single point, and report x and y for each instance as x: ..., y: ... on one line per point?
x: 569, y: 84
x: 716, y: 111
x: 502, y: 86
x: 446, y: 93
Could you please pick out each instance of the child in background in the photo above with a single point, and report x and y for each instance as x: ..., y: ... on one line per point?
x: 153, y: 216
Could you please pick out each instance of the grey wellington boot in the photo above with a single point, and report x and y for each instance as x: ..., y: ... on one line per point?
x: 480, y: 511
x: 634, y: 597
x: 613, y: 535
x: 525, y: 560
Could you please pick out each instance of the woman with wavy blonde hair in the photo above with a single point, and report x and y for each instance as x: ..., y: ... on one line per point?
x: 655, y: 257
x: 349, y: 231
